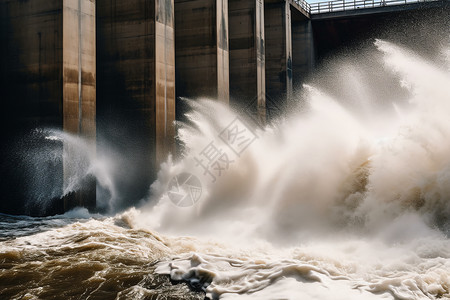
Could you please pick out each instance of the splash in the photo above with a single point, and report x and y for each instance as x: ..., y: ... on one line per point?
x: 55, y: 163
x: 345, y: 198
x: 325, y: 166
x: 356, y: 195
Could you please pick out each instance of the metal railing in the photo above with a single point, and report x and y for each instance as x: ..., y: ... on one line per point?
x: 344, y: 5
x: 304, y: 5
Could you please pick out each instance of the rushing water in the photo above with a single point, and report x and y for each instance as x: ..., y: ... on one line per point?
x: 342, y: 199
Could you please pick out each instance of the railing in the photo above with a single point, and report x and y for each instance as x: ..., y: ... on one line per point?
x: 305, y: 5
x: 344, y: 5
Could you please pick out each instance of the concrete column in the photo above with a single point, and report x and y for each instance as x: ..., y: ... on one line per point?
x: 260, y: 61
x: 31, y: 89
x: 287, y: 26
x: 277, y: 24
x: 165, y: 78
x: 47, y: 80
x: 247, y: 57
x: 303, y: 57
x: 79, y: 88
x: 136, y: 88
x: 223, y: 84
x: 79, y: 67
x: 202, y: 59
x: 31, y: 64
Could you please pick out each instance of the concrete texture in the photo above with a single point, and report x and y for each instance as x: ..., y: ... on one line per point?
x: 42, y: 78
x: 31, y: 63
x: 247, y: 57
x: 299, y: 9
x: 303, y: 50
x: 79, y: 67
x: 277, y: 23
x: 136, y: 89
x: 202, y: 59
x: 164, y: 78
x: 79, y: 86
x: 260, y: 61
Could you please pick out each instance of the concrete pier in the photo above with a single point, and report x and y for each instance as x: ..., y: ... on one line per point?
x: 165, y: 78
x: 136, y: 88
x: 48, y: 73
x: 247, y: 57
x: 202, y: 57
x: 303, y: 49
x: 79, y: 68
x: 277, y: 23
x: 79, y: 88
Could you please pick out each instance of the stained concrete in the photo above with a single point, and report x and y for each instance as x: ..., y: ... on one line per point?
x: 79, y: 87
x: 79, y: 70
x: 165, y: 78
x: 31, y: 63
x: 202, y: 58
x: 277, y: 23
x: 247, y: 57
x: 41, y: 77
x: 260, y: 61
x: 136, y: 89
x: 303, y: 48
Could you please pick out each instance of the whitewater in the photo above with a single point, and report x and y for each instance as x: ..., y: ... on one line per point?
x: 345, y: 197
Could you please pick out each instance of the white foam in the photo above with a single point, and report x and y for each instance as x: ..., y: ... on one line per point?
x: 363, y: 201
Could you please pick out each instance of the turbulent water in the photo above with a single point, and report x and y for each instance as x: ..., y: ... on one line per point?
x: 347, y: 197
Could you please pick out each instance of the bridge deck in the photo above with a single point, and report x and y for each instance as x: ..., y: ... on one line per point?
x: 345, y: 8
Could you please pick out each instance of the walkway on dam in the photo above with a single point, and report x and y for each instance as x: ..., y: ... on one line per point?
x: 352, y: 7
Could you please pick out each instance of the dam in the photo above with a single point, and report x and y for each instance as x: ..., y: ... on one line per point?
x: 116, y: 72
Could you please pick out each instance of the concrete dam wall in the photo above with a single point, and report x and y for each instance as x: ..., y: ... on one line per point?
x: 113, y: 73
